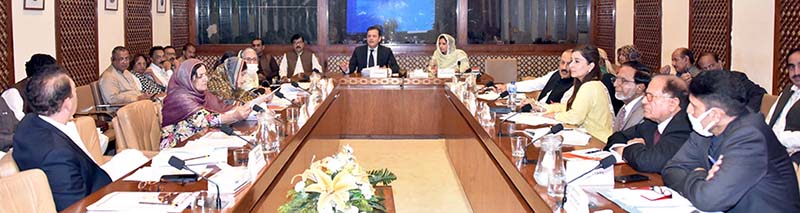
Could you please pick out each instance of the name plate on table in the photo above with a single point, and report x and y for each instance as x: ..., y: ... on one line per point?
x: 445, y: 73
x: 377, y: 72
x: 418, y: 75
x: 255, y: 162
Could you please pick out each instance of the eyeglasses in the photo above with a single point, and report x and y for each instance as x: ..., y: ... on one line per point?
x: 623, y: 80
x: 649, y: 96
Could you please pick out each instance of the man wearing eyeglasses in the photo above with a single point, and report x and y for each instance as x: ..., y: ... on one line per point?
x: 732, y: 162
x: 649, y: 145
x: 117, y: 84
x: 629, y: 86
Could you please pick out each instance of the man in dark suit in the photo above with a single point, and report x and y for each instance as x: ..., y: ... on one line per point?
x: 372, y: 54
x: 44, y: 140
x: 785, y: 113
x: 732, y: 162
x: 649, y: 145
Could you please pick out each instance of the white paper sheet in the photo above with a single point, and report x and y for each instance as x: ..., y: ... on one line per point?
x: 123, y: 163
x: 489, y: 96
x: 631, y: 200
x: 529, y: 118
x: 140, y: 202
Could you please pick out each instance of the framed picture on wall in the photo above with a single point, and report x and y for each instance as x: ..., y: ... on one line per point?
x: 161, y: 6
x: 112, y: 4
x: 33, y: 4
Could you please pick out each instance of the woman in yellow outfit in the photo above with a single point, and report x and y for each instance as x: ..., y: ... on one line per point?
x: 590, y: 105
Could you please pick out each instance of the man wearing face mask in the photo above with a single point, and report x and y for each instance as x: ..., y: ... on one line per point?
x: 297, y: 65
x: 732, y: 162
x: 555, y: 86
x: 630, y: 84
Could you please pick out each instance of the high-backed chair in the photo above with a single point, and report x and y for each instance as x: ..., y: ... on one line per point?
x: 8, y: 166
x: 91, y: 139
x: 27, y: 191
x: 88, y: 106
x: 766, y: 103
x: 138, y: 126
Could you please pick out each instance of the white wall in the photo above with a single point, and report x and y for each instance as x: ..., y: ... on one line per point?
x: 110, y: 32
x: 161, y: 25
x: 674, y: 28
x: 624, y: 23
x: 753, y: 21
x: 34, y: 32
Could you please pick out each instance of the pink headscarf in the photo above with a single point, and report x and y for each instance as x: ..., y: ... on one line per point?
x: 183, y: 100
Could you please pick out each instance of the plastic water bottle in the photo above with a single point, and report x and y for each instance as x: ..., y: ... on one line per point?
x: 512, y: 95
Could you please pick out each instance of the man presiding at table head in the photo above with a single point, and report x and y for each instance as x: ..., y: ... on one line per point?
x: 648, y: 146
x: 732, y: 162
x: 373, y: 54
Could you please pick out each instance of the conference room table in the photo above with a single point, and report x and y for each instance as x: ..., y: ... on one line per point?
x: 389, y: 109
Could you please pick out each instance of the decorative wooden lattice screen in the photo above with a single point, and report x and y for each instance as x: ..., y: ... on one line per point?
x: 604, y: 36
x: 6, y: 46
x: 180, y: 24
x: 138, y: 26
x: 710, y: 28
x: 787, y: 37
x: 647, y: 31
x: 76, y: 39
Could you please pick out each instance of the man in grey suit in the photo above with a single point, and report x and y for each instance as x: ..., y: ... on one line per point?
x: 732, y: 161
x: 629, y: 85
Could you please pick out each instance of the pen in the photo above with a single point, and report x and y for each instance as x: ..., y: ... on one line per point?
x: 195, y: 158
x: 592, y: 152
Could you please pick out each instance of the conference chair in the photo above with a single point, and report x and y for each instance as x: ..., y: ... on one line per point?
x: 138, y: 126
x: 88, y: 106
x: 8, y: 166
x: 27, y: 191
x: 91, y: 139
x: 766, y: 103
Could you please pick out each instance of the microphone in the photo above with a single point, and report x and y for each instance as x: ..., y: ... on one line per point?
x: 258, y: 91
x: 526, y: 108
x: 181, y: 165
x: 553, y: 130
x: 316, y: 71
x: 502, y: 95
x: 295, y: 84
x: 280, y: 95
x: 258, y: 108
x: 264, y: 83
x: 604, y: 163
x: 489, y: 84
x: 229, y: 131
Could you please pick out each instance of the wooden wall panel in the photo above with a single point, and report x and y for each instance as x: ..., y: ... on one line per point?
x: 76, y: 39
x: 710, y: 28
x: 647, y: 31
x: 787, y: 37
x: 138, y: 26
x: 180, y: 23
x: 6, y: 46
x: 604, y: 29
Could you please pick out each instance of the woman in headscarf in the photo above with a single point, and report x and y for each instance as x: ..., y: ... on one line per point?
x: 447, y: 56
x: 188, y: 110
x: 226, y: 81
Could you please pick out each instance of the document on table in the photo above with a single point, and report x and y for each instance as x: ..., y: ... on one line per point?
x: 489, y: 96
x: 123, y: 163
x: 154, y: 173
x: 143, y: 202
x: 572, y: 137
x: 591, y: 154
x: 529, y: 118
x: 193, y: 155
x: 634, y: 200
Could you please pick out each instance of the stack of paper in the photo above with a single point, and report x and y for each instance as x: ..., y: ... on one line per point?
x: 123, y: 163
x: 200, y: 154
x: 489, y: 96
x: 143, y: 202
x: 633, y: 200
x: 529, y: 118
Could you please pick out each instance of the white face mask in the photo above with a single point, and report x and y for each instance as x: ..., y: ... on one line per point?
x: 252, y: 68
x: 697, y: 124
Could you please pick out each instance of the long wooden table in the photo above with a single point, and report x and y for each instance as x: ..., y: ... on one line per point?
x: 398, y: 109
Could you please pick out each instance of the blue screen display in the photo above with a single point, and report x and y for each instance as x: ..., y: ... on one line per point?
x: 411, y: 15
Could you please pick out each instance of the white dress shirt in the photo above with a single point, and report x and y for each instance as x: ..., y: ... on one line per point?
x: 298, y: 67
x: 629, y: 106
x: 161, y: 74
x: 14, y: 101
x: 789, y: 139
x: 71, y: 131
x: 539, y: 83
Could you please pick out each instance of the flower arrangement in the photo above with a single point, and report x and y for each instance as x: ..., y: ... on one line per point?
x: 337, y: 184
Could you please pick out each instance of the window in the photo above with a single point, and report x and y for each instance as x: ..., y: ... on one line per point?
x: 403, y: 21
x: 528, y: 21
x: 239, y: 21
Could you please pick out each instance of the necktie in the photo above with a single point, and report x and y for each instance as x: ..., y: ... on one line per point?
x: 656, y: 137
x: 371, y: 62
x: 619, y: 121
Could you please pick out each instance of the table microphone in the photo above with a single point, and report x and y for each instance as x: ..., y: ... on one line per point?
x: 525, y: 108
x: 229, y: 131
x: 502, y: 95
x: 489, y: 84
x: 181, y: 165
x: 604, y: 163
x: 553, y: 130
x: 258, y: 108
x: 280, y: 95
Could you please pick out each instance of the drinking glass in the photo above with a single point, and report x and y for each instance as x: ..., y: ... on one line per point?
x: 518, y: 146
x: 240, y: 157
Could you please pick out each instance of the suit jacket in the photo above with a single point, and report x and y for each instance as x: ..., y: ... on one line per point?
x: 753, y: 91
x: 651, y: 156
x: 756, y: 174
x: 792, y: 117
x: 359, y: 61
x: 635, y: 117
x: 8, y: 123
x: 72, y: 174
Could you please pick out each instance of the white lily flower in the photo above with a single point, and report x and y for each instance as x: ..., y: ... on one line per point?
x: 300, y: 186
x: 366, y: 190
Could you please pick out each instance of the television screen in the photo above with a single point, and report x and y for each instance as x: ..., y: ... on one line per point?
x: 411, y: 16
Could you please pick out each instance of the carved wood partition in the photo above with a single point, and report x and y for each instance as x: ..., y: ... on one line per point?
x: 138, y: 26
x: 787, y: 37
x: 604, y: 29
x: 76, y: 39
x: 180, y: 24
x: 647, y: 31
x: 6, y: 46
x: 710, y: 28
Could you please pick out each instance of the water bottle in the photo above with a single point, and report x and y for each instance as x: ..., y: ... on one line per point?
x: 512, y: 95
